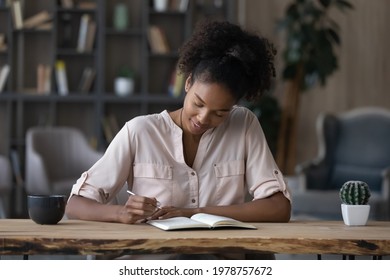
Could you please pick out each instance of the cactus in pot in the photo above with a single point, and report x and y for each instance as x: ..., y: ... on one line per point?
x: 354, y: 196
x: 355, y: 193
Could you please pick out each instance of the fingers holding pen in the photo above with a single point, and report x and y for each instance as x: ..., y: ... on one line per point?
x: 152, y: 201
x: 137, y: 209
x: 143, y: 204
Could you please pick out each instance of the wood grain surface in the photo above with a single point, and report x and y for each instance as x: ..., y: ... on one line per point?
x: 74, y: 237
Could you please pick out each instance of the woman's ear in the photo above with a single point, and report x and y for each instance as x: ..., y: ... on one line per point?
x: 188, y: 84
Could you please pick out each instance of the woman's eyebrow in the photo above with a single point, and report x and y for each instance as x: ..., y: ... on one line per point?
x: 201, y: 100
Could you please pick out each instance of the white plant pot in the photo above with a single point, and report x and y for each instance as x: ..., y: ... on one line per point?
x: 355, y: 215
x: 123, y: 86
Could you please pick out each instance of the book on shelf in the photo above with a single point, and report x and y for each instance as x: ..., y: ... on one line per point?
x: 176, y: 83
x: 83, y: 30
x: 61, y: 78
x: 90, y: 37
x: 87, y: 5
x: 87, y: 79
x: 107, y: 130
x: 179, y: 5
x: 110, y: 127
x: 67, y: 4
x: 4, y: 72
x: 45, y: 26
x: 36, y: 20
x: 43, y: 79
x: 47, y: 79
x: 199, y: 221
x: 183, y: 6
x: 157, y: 40
x: 113, y: 124
x: 17, y: 14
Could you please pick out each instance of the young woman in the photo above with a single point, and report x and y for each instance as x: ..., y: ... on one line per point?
x: 205, y: 157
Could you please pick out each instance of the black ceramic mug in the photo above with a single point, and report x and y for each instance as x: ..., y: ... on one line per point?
x: 46, y: 209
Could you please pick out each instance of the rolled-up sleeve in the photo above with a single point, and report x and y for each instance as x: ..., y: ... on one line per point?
x: 263, y: 176
x: 109, y: 174
x: 269, y: 187
x: 81, y: 188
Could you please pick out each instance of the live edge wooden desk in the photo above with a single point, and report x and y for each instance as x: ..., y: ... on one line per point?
x: 74, y: 237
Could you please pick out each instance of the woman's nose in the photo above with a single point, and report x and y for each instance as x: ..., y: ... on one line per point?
x: 203, y: 118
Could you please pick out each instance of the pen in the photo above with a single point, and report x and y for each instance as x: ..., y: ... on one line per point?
x: 130, y: 192
x: 158, y: 202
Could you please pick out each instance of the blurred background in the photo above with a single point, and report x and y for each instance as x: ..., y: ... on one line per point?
x: 93, y: 65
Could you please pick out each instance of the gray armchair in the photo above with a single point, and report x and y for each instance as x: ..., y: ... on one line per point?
x: 5, y: 186
x: 352, y: 146
x: 55, y: 159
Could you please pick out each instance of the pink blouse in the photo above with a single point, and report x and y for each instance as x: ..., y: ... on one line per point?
x: 147, y: 154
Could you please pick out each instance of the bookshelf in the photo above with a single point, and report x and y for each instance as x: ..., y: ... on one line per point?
x: 116, y: 43
x: 6, y: 54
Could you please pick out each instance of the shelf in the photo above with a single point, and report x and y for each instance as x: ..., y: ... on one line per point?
x: 167, y: 13
x: 129, y: 32
x: 112, y: 50
x: 74, y: 52
x: 75, y: 11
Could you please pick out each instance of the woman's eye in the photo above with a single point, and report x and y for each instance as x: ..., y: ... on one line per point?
x: 198, y: 105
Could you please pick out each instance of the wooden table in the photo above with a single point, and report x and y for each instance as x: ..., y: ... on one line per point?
x: 74, y: 237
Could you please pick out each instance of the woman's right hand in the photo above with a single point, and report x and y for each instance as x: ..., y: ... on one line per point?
x: 137, y: 209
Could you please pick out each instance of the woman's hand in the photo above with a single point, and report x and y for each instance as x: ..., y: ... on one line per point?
x: 137, y: 209
x: 170, y: 212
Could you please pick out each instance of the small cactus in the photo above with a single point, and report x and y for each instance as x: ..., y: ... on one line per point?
x: 355, y: 193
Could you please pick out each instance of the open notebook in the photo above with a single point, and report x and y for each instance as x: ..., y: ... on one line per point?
x: 201, y: 220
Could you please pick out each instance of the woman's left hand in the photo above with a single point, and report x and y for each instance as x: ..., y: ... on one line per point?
x: 170, y: 212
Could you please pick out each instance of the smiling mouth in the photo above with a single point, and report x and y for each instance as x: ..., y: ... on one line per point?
x: 198, y: 127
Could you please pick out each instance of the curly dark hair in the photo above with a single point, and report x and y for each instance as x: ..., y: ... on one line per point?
x: 222, y: 52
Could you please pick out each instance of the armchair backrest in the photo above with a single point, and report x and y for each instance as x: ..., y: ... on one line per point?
x: 55, y: 154
x: 60, y: 149
x: 357, y: 146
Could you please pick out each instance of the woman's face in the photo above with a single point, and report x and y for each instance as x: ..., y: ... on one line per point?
x: 206, y: 106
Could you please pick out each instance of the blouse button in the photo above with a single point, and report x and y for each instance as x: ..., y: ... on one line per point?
x: 193, y: 200
x: 276, y: 172
x: 193, y: 173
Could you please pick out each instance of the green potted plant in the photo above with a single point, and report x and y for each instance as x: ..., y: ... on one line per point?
x: 310, y: 38
x: 354, y: 196
x: 124, y: 82
x: 268, y: 111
